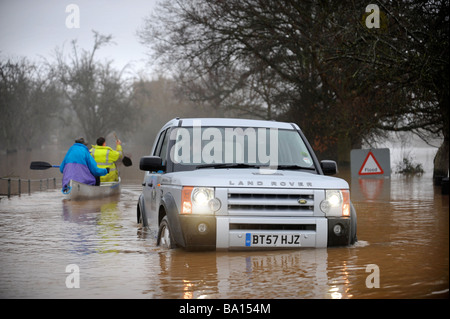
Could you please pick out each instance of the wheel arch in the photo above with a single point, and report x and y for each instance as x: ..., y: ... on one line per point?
x: 140, y: 212
x: 353, y: 224
x: 169, y: 208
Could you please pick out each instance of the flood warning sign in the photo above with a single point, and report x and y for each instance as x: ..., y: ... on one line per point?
x: 371, y: 166
x: 370, y: 163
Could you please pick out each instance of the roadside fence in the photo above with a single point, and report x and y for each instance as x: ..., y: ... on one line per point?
x: 14, y: 185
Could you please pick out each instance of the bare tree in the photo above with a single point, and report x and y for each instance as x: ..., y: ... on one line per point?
x: 102, y: 100
x: 341, y: 81
x: 29, y: 100
x: 261, y: 58
x: 409, y: 56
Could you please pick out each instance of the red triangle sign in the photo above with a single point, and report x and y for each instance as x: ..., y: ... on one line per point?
x: 370, y: 166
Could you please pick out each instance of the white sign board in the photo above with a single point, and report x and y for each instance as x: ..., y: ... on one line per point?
x: 370, y: 163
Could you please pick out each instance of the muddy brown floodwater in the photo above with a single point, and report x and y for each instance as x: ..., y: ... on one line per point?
x: 402, y: 251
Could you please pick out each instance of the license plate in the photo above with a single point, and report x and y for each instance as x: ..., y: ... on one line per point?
x: 272, y: 240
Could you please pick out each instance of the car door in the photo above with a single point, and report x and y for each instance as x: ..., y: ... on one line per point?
x: 151, y: 190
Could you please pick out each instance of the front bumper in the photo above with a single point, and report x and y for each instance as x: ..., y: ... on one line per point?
x: 243, y: 233
x: 271, y: 232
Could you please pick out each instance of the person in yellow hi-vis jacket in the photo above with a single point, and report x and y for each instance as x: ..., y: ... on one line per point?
x: 105, y: 157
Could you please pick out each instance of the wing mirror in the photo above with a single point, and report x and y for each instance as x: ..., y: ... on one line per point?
x: 329, y: 167
x: 151, y: 163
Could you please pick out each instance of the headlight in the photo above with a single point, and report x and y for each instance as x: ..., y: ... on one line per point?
x: 199, y: 200
x: 336, y: 203
x: 202, y: 195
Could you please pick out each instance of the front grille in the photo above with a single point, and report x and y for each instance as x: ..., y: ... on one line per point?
x: 249, y: 202
x: 272, y: 227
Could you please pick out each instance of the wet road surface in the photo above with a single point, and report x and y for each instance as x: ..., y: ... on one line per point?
x: 402, y: 252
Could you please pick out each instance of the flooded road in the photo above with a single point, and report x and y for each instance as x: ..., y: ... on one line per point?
x: 404, y: 236
x: 49, y: 245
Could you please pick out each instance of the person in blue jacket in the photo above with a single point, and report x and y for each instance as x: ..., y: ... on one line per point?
x: 80, y: 166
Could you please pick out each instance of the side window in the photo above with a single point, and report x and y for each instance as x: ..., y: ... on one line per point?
x: 163, y: 150
x: 157, y: 151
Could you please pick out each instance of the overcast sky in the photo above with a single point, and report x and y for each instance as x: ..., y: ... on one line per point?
x: 34, y: 28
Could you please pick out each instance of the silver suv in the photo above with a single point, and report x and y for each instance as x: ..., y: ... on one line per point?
x: 242, y: 184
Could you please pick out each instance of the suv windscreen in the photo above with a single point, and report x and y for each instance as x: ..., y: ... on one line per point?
x: 196, y: 147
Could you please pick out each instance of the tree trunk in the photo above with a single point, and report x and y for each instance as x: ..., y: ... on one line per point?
x: 441, y: 162
x: 343, y: 150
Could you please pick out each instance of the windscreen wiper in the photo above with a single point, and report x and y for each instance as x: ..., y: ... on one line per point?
x: 228, y: 165
x: 312, y: 168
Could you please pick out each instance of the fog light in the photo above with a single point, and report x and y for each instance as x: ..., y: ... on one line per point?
x: 337, y: 229
x: 202, y: 228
